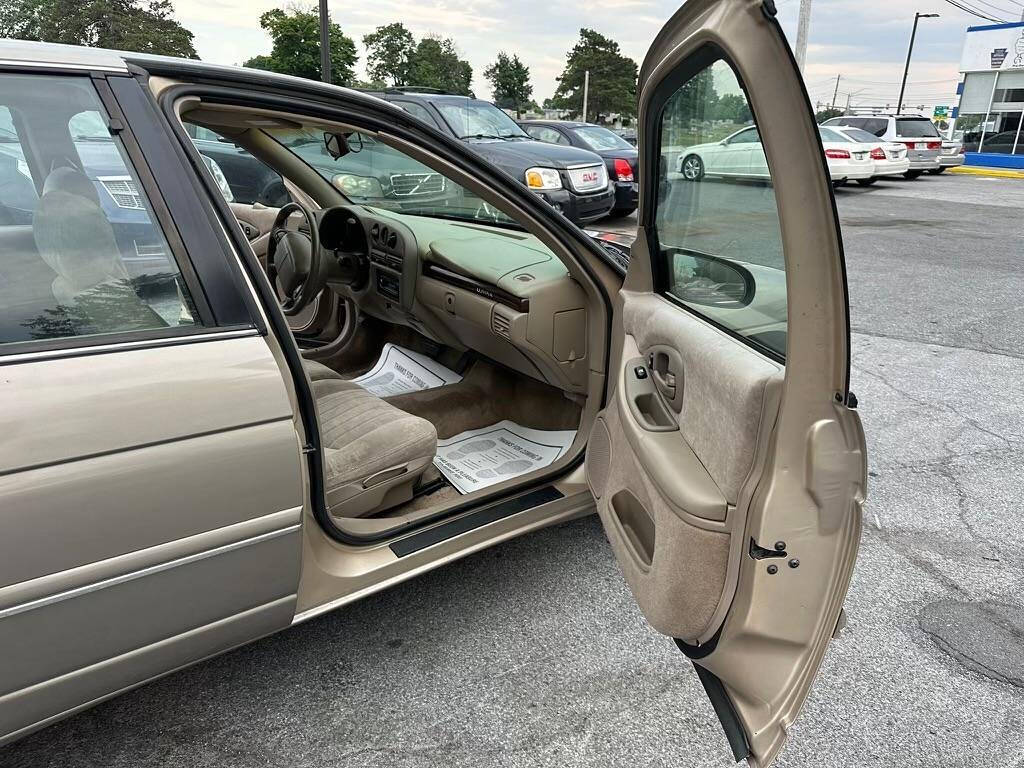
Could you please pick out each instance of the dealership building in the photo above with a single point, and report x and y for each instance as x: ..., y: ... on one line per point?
x: 992, y: 95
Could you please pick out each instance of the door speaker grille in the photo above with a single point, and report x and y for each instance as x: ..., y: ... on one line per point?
x: 599, y: 458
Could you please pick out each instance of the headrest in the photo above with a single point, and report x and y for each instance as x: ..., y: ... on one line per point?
x: 72, y: 181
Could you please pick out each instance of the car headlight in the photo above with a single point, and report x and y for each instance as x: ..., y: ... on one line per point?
x: 358, y: 186
x: 219, y: 177
x: 543, y: 178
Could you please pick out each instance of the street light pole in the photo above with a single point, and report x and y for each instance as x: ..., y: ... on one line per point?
x: 910, y: 50
x: 325, y: 43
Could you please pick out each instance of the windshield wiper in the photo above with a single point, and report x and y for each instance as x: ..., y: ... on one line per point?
x: 481, y: 136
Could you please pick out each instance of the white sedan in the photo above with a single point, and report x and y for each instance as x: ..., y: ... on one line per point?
x: 890, y: 157
x: 741, y: 155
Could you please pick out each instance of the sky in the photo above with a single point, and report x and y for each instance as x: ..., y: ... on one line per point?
x: 862, y: 41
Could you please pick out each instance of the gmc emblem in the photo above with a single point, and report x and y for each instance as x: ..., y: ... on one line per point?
x: 589, y: 176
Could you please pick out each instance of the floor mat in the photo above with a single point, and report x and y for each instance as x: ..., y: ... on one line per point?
x: 478, y: 458
x: 399, y: 371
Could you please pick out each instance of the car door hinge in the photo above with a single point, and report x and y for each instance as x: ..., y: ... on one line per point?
x: 308, y: 449
x: 114, y: 126
x: 757, y: 552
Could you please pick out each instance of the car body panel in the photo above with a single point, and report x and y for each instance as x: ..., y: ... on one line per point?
x: 894, y: 128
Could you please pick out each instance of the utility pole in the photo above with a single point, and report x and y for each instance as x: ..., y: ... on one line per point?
x: 910, y: 50
x: 802, y: 26
x: 586, y: 93
x: 325, y: 43
x: 835, y: 93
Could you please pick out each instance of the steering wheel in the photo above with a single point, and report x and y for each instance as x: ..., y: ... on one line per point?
x: 294, y: 260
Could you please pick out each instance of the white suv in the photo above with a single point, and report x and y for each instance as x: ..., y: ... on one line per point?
x: 918, y: 133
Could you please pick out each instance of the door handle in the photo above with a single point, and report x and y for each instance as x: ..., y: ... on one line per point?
x: 666, y: 370
x: 666, y: 383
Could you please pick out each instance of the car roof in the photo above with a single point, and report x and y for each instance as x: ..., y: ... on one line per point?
x: 563, y: 123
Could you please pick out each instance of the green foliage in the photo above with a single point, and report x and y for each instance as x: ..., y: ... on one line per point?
x: 436, y: 64
x: 510, y: 83
x: 389, y: 53
x: 732, y: 107
x: 827, y: 114
x: 295, y: 35
x: 146, y: 26
x: 612, y: 78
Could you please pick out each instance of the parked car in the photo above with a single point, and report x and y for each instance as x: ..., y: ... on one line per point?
x: 951, y: 155
x: 890, y: 158
x: 848, y: 160
x: 916, y: 132
x: 620, y: 157
x: 628, y: 134
x: 573, y: 180
x: 181, y: 473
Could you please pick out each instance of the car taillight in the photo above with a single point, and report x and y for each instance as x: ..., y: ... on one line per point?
x: 934, y: 145
x: 837, y: 154
x: 623, y: 170
x: 877, y: 154
x: 910, y: 144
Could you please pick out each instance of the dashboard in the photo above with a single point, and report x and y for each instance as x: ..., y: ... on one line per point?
x: 470, y: 286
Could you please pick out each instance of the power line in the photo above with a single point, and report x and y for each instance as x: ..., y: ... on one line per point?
x: 973, y: 11
x: 995, y: 7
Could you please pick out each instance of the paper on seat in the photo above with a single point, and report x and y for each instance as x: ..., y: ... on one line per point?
x: 399, y: 371
x: 478, y: 458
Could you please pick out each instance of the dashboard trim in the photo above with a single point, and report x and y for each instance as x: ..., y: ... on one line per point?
x: 485, y: 290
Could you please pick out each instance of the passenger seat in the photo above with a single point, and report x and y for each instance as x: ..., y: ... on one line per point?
x: 374, y: 453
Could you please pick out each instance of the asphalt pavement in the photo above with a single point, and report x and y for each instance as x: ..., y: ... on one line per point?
x: 533, y: 653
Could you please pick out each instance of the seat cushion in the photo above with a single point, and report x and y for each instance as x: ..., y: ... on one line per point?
x: 364, y: 436
x: 318, y: 371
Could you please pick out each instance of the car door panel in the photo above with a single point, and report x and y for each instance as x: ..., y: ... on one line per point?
x: 765, y: 428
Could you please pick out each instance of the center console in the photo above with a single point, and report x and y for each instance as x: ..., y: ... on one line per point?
x: 386, y: 257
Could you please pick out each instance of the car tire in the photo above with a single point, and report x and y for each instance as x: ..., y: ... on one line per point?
x: 692, y: 168
x: 909, y: 175
x: 621, y: 213
x: 867, y: 182
x: 935, y: 171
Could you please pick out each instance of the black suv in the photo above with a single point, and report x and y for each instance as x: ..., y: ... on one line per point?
x: 574, y: 181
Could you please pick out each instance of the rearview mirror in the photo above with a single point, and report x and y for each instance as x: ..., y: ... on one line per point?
x: 340, y: 144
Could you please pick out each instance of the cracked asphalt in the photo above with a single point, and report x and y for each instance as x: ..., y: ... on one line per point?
x: 533, y: 654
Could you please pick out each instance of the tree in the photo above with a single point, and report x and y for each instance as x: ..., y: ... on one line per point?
x: 146, y: 26
x: 826, y: 114
x: 510, y: 83
x: 436, y: 64
x: 389, y: 53
x: 733, y: 107
x: 295, y: 35
x: 612, y: 78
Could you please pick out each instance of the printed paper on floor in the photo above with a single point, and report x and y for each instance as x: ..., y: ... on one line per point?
x: 478, y: 458
x: 400, y: 370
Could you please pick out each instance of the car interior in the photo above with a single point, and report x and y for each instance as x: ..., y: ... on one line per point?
x: 452, y: 353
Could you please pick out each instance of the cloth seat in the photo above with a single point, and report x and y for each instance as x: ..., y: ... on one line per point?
x: 373, y: 452
x: 318, y: 371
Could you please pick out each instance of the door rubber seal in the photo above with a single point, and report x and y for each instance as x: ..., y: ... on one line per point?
x: 727, y: 716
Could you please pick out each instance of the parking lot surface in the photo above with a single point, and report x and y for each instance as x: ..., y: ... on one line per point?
x: 533, y: 653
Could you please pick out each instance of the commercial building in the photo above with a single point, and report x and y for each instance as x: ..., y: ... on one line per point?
x: 992, y: 95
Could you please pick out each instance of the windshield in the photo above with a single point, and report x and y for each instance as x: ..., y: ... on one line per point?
x: 860, y: 135
x: 478, y: 120
x: 373, y: 173
x: 916, y: 128
x: 600, y: 139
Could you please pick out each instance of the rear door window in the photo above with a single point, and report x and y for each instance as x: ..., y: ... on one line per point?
x: 916, y: 128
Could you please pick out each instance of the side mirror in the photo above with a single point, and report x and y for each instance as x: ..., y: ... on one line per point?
x: 711, y: 281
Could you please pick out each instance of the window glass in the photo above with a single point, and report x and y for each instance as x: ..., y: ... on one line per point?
x: 860, y: 135
x: 372, y: 173
x: 601, y: 139
x: 916, y: 128
x: 717, y: 222
x: 748, y: 136
x: 478, y: 120
x: 82, y: 253
x: 418, y: 110
x: 247, y: 179
x: 546, y: 134
x: 827, y: 134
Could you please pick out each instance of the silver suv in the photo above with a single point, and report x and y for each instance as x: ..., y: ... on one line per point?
x: 917, y: 132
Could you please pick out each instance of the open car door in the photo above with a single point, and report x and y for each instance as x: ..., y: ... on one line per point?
x: 728, y: 465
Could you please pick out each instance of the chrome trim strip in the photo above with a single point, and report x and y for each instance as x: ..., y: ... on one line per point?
x: 94, y: 349
x: 153, y: 569
x: 30, y: 63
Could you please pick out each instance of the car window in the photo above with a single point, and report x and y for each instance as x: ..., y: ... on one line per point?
x: 916, y: 128
x: 719, y: 245
x: 860, y: 135
x: 248, y: 179
x: 601, y: 139
x: 478, y: 119
x: 417, y: 110
x: 749, y: 136
x: 372, y: 173
x: 17, y: 190
x: 827, y: 134
x: 90, y: 258
x: 544, y: 133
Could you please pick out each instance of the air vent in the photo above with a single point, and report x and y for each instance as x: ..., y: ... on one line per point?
x: 501, y: 325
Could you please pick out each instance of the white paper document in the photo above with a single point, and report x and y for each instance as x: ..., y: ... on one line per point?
x: 481, y: 457
x: 400, y: 370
